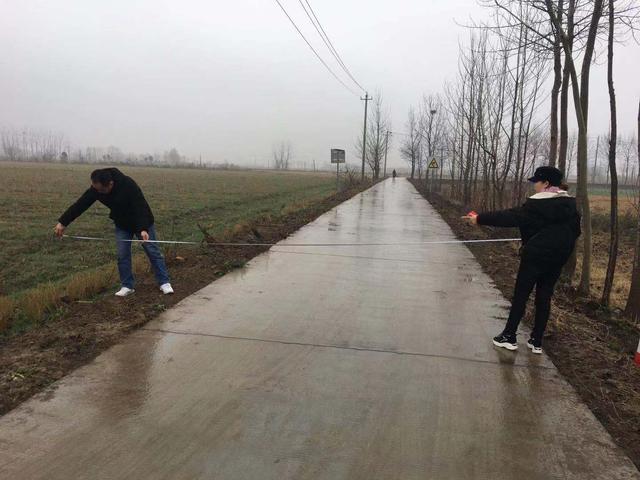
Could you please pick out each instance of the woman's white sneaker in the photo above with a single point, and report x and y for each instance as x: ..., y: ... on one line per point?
x: 166, y: 288
x: 506, y: 341
x: 124, y: 292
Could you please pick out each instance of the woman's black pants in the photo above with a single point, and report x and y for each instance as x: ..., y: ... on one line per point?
x: 544, y: 278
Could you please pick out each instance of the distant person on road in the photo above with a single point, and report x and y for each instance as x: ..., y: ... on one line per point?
x: 394, y: 174
x: 549, y: 224
x: 132, y: 217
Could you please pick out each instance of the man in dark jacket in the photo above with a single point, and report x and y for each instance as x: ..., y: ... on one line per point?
x: 549, y: 223
x: 132, y: 216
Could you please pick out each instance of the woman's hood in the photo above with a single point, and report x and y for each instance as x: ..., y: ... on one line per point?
x: 545, y: 195
x: 554, y: 207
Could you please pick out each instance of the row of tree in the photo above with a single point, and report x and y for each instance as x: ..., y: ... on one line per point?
x: 520, y: 77
x: 30, y: 145
x: 33, y: 145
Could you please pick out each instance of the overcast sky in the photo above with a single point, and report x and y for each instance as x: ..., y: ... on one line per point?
x: 228, y: 80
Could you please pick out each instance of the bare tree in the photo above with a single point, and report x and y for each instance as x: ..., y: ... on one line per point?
x: 11, y: 144
x: 431, y: 129
x: 377, y: 126
x: 613, y: 137
x: 32, y: 145
x: 410, y: 146
x: 581, y: 104
x: 575, y: 27
x: 633, y: 301
x: 627, y: 149
x: 492, y: 135
x: 555, y: 91
x: 282, y: 155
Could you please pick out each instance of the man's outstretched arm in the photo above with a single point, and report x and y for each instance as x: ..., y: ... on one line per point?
x: 74, y: 211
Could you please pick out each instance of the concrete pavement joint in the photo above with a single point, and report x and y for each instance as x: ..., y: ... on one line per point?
x: 340, y: 347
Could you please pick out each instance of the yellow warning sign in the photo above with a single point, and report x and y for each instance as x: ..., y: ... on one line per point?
x: 433, y: 163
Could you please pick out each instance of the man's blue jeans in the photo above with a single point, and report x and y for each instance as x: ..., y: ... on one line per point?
x: 151, y: 249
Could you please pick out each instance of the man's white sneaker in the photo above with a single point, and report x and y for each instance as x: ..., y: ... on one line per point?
x: 166, y: 288
x: 534, y: 348
x: 124, y: 292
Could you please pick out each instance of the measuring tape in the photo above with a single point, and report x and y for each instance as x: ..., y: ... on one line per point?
x: 259, y: 244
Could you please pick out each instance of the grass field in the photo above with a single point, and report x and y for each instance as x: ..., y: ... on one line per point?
x: 34, y: 195
x: 601, y: 204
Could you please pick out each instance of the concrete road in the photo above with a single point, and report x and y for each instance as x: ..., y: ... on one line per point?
x: 321, y: 363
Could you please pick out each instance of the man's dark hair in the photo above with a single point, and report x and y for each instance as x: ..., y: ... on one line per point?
x: 102, y: 176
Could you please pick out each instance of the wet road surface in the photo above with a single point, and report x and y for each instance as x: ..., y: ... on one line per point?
x: 321, y: 363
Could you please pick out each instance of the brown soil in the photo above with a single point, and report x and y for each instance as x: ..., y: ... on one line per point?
x: 592, y: 347
x: 80, y: 331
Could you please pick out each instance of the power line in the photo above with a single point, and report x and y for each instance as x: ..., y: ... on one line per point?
x: 327, y: 41
x: 313, y: 49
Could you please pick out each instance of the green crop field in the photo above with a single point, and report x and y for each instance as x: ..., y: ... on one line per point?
x: 32, y: 196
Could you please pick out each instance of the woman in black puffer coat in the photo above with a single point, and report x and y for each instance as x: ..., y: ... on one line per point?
x: 549, y: 223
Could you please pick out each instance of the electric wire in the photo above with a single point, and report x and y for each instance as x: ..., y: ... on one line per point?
x: 313, y: 49
x: 327, y: 41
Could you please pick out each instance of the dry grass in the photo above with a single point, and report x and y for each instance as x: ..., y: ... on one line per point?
x: 291, y: 208
x: 86, y: 284
x: 33, y: 305
x: 7, y: 309
x: 601, y: 204
x: 600, y: 258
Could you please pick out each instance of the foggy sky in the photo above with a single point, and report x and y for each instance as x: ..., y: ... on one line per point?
x: 228, y: 80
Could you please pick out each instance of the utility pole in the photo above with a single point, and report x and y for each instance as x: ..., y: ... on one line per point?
x: 364, y: 132
x: 386, y: 149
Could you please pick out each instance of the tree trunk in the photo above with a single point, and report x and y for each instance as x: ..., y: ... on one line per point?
x: 555, y: 91
x: 633, y: 302
x: 564, y: 120
x: 569, y: 269
x: 585, y: 279
x: 613, y: 242
x: 564, y: 93
x: 595, y: 163
x: 441, y: 169
x: 583, y: 201
x: 581, y: 104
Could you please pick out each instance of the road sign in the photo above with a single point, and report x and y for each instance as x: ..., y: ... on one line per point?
x: 433, y: 163
x: 337, y: 155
